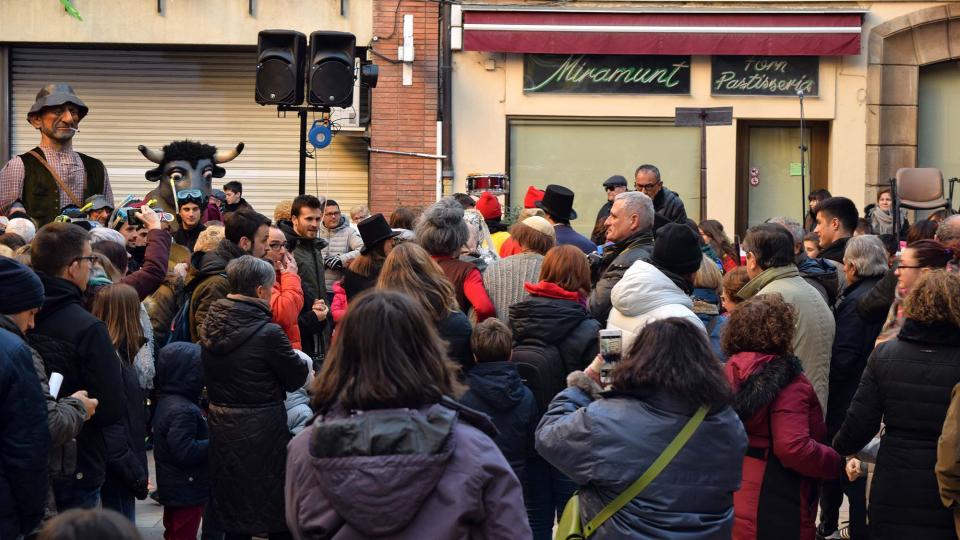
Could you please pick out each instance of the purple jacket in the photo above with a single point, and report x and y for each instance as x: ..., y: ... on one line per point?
x: 402, y: 473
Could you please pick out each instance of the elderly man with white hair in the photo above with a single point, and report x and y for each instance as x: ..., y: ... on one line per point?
x: 864, y: 264
x: 630, y: 228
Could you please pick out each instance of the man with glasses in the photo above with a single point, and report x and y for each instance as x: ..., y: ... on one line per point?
x: 76, y: 344
x: 190, y: 203
x: 667, y: 204
x: 53, y: 175
x: 614, y: 186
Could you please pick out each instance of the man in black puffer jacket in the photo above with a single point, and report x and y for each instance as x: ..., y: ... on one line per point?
x: 248, y: 367
x: 76, y: 344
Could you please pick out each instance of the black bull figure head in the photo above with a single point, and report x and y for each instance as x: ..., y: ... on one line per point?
x: 185, y: 165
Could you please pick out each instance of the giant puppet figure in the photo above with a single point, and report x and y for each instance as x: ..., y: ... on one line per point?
x: 185, y: 165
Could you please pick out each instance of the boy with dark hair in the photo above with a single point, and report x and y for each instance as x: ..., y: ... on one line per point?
x: 235, y: 201
x: 836, y: 222
x: 497, y: 390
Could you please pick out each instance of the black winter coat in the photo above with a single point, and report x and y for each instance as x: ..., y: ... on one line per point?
x: 907, y: 384
x: 179, y: 429
x: 669, y: 208
x: 248, y: 367
x: 76, y: 344
x: 125, y: 439
x: 563, y: 323
x: 496, y: 389
x: 24, y: 439
x: 875, y: 305
x: 456, y: 331
x: 616, y: 260
x: 854, y: 341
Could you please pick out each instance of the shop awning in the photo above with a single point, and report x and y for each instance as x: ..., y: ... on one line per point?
x: 727, y: 32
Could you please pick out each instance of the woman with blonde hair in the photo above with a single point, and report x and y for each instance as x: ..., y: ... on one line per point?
x: 707, y: 283
x: 410, y: 269
x: 118, y: 306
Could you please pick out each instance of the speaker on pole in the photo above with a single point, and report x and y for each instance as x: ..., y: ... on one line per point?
x: 280, y: 65
x: 331, y: 76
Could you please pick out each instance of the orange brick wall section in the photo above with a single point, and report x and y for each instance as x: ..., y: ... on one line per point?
x: 404, y: 118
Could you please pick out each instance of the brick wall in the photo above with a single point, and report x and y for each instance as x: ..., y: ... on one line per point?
x: 404, y: 117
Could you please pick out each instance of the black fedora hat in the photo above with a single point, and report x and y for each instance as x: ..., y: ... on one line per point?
x: 374, y: 230
x: 53, y: 95
x: 558, y: 202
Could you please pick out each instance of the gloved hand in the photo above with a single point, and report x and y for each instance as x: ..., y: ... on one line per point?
x: 333, y: 262
x: 140, y: 489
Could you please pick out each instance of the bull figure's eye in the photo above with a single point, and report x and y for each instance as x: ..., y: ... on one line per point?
x: 208, y: 174
x: 176, y: 176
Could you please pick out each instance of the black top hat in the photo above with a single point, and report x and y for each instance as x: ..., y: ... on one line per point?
x: 558, y: 202
x: 374, y: 230
x: 615, y: 181
x: 53, y: 95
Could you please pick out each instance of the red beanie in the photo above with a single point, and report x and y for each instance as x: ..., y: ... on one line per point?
x: 533, y: 195
x: 489, y: 206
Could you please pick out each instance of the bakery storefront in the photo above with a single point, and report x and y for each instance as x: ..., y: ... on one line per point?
x: 551, y: 95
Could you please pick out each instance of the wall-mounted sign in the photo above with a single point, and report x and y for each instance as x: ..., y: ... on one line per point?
x: 606, y: 74
x: 765, y: 75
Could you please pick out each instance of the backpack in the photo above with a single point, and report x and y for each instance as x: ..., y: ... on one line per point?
x: 541, y: 369
x: 180, y: 324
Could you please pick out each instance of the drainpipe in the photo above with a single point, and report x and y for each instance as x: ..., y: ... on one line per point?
x: 446, y: 99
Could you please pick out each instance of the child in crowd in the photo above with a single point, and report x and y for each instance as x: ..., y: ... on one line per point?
x: 811, y: 244
x: 181, y: 440
x: 733, y: 281
x: 497, y: 390
x: 298, y: 401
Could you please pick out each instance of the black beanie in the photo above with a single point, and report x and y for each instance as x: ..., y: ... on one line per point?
x: 20, y: 288
x: 677, y: 249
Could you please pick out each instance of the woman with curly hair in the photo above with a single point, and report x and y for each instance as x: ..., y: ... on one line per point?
x: 907, y: 385
x: 786, y: 456
x: 442, y: 231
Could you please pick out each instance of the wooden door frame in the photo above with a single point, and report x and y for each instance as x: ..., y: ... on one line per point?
x: 817, y: 160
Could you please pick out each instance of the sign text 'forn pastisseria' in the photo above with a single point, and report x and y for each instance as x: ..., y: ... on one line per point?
x: 606, y: 74
x: 765, y: 75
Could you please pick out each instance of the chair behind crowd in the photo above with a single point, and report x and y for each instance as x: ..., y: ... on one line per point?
x: 920, y: 189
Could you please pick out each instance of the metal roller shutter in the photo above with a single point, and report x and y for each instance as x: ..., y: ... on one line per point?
x: 155, y: 97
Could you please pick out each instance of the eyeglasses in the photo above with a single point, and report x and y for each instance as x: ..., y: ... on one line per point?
x: 195, y: 196
x: 911, y: 266
x: 646, y: 187
x: 276, y: 246
x: 90, y: 258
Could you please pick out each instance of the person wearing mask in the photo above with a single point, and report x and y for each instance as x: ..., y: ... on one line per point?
x: 343, y: 244
x: 813, y: 199
x: 24, y: 434
x: 77, y: 345
x: 119, y: 308
x: 836, y: 222
x: 505, y: 278
x: 630, y: 229
x: 286, y: 302
x: 448, y: 481
x: 667, y: 204
x: 557, y: 205
x: 190, y: 203
x: 442, y: 231
x: 787, y: 455
x: 917, y: 259
x: 614, y: 186
x: 661, y: 288
x: 233, y: 193
x: 306, y: 215
x: 246, y: 233
x: 411, y: 270
x: 906, y: 386
x: 864, y: 264
x: 248, y: 367
x: 714, y: 236
x: 606, y: 440
x: 770, y: 256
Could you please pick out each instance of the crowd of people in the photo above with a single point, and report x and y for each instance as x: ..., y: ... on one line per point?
x: 439, y: 374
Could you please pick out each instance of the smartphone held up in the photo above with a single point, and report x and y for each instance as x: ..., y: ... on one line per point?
x: 611, y: 348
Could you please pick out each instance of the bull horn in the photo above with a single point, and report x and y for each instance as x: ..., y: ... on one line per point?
x: 155, y: 156
x: 224, y: 156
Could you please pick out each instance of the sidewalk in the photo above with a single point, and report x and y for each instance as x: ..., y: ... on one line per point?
x: 149, y: 513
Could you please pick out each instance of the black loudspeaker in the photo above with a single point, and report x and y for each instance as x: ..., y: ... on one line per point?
x: 331, y: 76
x: 280, y: 64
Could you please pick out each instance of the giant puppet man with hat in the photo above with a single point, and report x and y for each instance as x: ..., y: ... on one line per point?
x: 53, y: 175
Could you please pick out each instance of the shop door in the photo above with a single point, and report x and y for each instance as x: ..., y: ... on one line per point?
x: 768, y: 183
x: 938, y: 118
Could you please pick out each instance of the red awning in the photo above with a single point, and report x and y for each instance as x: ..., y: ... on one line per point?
x: 771, y: 33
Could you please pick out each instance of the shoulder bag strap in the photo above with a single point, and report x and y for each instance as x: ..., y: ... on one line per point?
x: 655, y: 469
x: 56, y: 177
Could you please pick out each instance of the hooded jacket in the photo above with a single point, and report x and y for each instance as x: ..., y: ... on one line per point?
x: 616, y: 260
x: 497, y: 390
x: 822, y: 276
x: 786, y: 456
x: 248, y: 367
x: 907, y: 385
x: 814, y: 329
x: 180, y: 432
x: 644, y: 295
x: 430, y: 473
x: 207, y: 281
x: 343, y: 241
x: 76, y: 344
x: 605, y: 445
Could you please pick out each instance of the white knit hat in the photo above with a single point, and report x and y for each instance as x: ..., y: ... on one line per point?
x: 23, y: 227
x: 540, y: 225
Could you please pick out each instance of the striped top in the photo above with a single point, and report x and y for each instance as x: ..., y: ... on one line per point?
x: 504, y: 280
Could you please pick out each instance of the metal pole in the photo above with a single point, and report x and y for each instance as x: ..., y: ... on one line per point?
x: 703, y: 165
x: 803, y: 166
x: 303, y: 151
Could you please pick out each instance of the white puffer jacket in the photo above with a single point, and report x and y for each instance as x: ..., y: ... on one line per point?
x: 342, y: 240
x: 645, y: 295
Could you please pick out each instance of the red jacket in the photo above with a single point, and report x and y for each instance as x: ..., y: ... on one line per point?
x: 338, y: 308
x: 286, y: 303
x: 785, y: 459
x: 468, y: 285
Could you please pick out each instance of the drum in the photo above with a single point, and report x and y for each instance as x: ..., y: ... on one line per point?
x: 479, y: 183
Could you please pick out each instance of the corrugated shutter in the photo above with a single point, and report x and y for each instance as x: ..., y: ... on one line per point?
x: 155, y: 97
